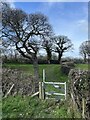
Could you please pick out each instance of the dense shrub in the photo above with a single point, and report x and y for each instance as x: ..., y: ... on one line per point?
x: 78, y: 61
x: 66, y: 66
x: 23, y: 84
x: 26, y: 61
x: 79, y: 88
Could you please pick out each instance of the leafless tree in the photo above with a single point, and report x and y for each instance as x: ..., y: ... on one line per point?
x: 25, y: 31
x: 48, y: 46
x: 61, y: 45
x: 84, y: 50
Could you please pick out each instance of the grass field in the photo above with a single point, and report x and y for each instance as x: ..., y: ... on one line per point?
x: 27, y: 107
x: 82, y: 66
x: 53, y: 72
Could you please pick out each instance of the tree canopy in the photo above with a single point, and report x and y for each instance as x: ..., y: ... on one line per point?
x: 84, y: 50
x: 25, y: 31
x: 61, y: 45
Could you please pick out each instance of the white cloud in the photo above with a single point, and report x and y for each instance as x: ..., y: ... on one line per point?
x: 12, y: 5
x: 83, y: 25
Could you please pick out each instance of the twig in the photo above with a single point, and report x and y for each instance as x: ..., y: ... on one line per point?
x: 35, y: 94
x: 9, y: 91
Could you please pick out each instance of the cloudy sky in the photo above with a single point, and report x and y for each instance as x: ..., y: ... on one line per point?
x: 67, y: 18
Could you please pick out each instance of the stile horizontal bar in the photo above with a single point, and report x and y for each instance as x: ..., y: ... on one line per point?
x: 47, y: 93
x: 50, y: 98
x: 58, y: 83
x: 59, y: 94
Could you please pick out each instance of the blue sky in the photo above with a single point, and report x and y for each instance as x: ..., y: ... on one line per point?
x: 67, y: 18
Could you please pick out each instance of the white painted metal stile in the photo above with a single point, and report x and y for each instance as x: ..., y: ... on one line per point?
x: 53, y: 83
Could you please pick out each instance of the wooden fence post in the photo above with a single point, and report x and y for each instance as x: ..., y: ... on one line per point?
x: 83, y: 107
x: 40, y: 90
x: 43, y: 91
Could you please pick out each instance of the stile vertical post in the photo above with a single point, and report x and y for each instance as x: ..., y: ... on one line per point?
x: 43, y: 91
x: 43, y: 87
x: 65, y: 90
x: 40, y: 90
x: 43, y: 75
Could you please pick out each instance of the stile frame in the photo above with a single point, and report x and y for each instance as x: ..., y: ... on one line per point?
x: 42, y: 92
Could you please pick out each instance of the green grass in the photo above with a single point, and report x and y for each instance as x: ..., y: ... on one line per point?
x: 26, y: 107
x: 53, y: 72
x: 82, y: 66
x: 25, y: 67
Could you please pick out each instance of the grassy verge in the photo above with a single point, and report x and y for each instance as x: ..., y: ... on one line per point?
x: 26, y: 107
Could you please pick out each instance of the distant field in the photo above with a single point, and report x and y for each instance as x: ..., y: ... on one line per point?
x: 53, y: 72
x: 82, y: 66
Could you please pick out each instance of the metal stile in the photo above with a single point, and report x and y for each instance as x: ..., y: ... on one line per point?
x: 55, y: 85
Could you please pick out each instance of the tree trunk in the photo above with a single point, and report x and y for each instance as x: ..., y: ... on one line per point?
x: 59, y: 57
x: 16, y: 57
x: 85, y: 57
x: 49, y: 57
x: 36, y: 74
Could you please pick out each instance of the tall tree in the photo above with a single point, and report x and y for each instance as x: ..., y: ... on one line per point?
x: 84, y: 50
x: 25, y: 32
x: 61, y: 45
x: 48, y: 46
